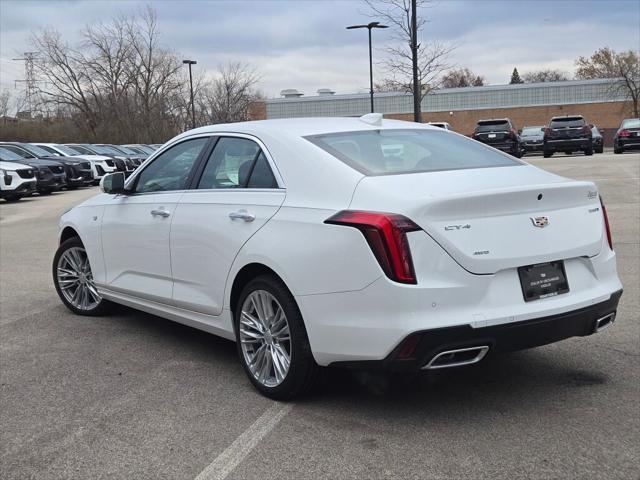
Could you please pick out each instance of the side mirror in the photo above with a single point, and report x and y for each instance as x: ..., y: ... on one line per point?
x: 112, y: 183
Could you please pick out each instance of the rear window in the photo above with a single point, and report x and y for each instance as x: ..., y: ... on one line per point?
x: 493, y: 126
x: 567, y: 122
x: 532, y: 131
x: 392, y: 152
x: 631, y: 123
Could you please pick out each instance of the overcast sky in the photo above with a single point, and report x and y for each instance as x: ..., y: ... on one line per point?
x: 303, y: 43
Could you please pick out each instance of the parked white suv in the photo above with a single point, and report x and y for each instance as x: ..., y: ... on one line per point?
x: 344, y: 241
x: 16, y: 181
x: 100, y: 164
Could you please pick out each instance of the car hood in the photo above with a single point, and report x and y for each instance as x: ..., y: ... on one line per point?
x: 40, y: 162
x: 12, y: 166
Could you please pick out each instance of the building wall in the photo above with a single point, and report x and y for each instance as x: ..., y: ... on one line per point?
x: 606, y: 116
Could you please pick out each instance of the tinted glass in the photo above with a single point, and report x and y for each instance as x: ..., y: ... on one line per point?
x: 493, y: 126
x: 230, y: 163
x: 49, y: 150
x: 66, y: 150
x: 261, y: 175
x: 532, y: 132
x: 631, y: 123
x: 80, y: 149
x: 388, y: 152
x: 567, y: 122
x: 18, y: 151
x: 37, y: 151
x: 6, y: 154
x: 170, y: 170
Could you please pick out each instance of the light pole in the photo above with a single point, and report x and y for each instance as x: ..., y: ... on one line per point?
x: 193, y: 109
x: 369, y: 27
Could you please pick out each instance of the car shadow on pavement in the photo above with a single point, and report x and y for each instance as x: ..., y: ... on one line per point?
x: 543, y: 373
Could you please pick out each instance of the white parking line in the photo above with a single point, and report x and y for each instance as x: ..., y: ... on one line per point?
x: 235, y: 453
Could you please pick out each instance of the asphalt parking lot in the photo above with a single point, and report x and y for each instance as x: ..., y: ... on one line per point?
x: 135, y: 396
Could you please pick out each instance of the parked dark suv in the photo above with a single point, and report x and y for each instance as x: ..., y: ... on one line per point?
x: 499, y: 133
x: 567, y: 134
x: 628, y: 136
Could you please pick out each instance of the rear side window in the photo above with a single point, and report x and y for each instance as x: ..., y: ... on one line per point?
x: 237, y: 163
x: 570, y: 122
x: 390, y: 152
x: 493, y: 126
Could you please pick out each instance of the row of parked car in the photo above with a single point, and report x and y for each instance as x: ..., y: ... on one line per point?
x: 28, y: 168
x: 566, y: 134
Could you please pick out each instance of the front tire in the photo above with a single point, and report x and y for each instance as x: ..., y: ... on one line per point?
x: 272, y: 341
x: 12, y: 198
x: 73, y: 280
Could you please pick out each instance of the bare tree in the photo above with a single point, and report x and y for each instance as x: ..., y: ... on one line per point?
x: 623, y: 68
x: 545, y: 75
x: 228, y: 96
x: 461, y: 77
x: 432, y: 57
x: 5, y: 101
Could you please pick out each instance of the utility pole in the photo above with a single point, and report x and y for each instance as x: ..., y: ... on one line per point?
x: 31, y: 87
x: 417, y: 88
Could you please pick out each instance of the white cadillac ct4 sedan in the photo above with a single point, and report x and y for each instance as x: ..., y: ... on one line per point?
x: 344, y: 241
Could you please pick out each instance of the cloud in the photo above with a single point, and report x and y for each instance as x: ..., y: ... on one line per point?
x: 303, y: 44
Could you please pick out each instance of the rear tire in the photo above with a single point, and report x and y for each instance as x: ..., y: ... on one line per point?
x: 588, y: 151
x: 547, y: 154
x: 73, y: 280
x: 262, y: 346
x: 618, y: 150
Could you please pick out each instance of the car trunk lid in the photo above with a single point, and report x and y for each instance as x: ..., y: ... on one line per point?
x: 495, y: 218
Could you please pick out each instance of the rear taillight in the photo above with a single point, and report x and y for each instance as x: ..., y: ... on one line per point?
x: 606, y: 224
x: 587, y: 129
x: 547, y: 132
x: 513, y: 133
x: 624, y: 133
x: 386, y: 235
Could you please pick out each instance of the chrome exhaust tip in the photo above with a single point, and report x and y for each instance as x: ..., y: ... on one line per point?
x: 605, y: 322
x: 457, y: 358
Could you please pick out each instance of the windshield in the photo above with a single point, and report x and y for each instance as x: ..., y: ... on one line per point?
x: 631, y: 123
x: 390, y: 152
x: 9, y: 155
x: 493, y: 126
x: 79, y: 149
x: 37, y: 151
x: 105, y: 150
x: 532, y: 131
x: 145, y: 149
x: 126, y: 150
x: 571, y: 122
x: 66, y: 150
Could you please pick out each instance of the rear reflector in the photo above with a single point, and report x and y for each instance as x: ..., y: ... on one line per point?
x: 606, y: 224
x: 408, y: 347
x: 386, y: 235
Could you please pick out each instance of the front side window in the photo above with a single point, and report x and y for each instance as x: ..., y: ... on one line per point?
x: 390, y: 152
x: 237, y: 163
x: 170, y: 170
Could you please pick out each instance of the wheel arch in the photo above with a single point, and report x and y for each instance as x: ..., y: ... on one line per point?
x: 247, y: 273
x: 67, y: 233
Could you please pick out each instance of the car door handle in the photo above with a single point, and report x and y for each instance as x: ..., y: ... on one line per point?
x: 242, y: 215
x: 160, y: 213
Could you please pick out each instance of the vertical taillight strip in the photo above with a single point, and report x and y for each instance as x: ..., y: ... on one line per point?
x: 606, y: 224
x: 386, y: 234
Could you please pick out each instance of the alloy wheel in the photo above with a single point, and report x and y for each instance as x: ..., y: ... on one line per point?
x: 265, y: 338
x: 76, y: 280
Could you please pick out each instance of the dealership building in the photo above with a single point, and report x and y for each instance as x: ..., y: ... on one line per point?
x: 525, y: 104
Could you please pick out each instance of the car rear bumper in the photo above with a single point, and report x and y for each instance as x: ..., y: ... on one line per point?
x: 532, y: 147
x: 568, y: 144
x: 369, y: 324
x: 418, y: 350
x: 628, y: 143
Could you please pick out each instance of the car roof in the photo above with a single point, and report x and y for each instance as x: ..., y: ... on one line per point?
x: 302, y: 127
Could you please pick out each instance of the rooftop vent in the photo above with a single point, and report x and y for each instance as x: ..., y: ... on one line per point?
x: 325, y: 91
x: 291, y: 93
